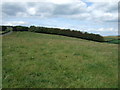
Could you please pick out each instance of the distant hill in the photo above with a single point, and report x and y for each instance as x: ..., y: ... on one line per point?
x: 58, y: 31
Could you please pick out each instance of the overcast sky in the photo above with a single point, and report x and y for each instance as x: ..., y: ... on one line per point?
x: 94, y: 16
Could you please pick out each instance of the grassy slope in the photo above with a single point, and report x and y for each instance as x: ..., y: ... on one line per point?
x: 41, y: 60
x: 0, y: 61
x: 112, y: 39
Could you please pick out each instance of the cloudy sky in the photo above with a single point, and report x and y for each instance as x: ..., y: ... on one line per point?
x: 94, y: 16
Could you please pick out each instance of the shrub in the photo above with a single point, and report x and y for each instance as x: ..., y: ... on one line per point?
x: 67, y: 32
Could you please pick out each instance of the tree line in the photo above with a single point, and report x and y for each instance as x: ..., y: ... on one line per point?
x: 58, y: 31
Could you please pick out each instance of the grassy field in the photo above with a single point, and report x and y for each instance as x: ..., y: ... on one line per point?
x: 0, y: 61
x: 0, y: 32
x: 112, y: 39
x: 52, y: 61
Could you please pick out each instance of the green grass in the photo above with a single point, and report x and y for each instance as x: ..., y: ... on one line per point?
x: 52, y: 61
x: 112, y: 39
x: 0, y: 61
x: 107, y: 38
x: 6, y: 31
x: 0, y: 32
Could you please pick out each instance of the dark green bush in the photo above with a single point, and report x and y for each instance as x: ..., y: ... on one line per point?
x: 67, y: 32
x: 20, y: 28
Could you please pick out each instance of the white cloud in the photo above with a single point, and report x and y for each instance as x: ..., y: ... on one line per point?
x: 77, y: 9
x: 105, y: 29
x: 102, y: 0
x: 14, y: 23
x: 59, y: 1
x: 51, y: 1
x: 63, y: 1
x: 32, y: 11
x: 105, y: 11
x: 102, y: 29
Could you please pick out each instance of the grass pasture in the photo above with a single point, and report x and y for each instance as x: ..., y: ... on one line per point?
x: 112, y: 39
x: 51, y: 61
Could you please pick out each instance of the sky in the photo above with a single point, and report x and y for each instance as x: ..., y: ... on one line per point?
x: 93, y: 16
